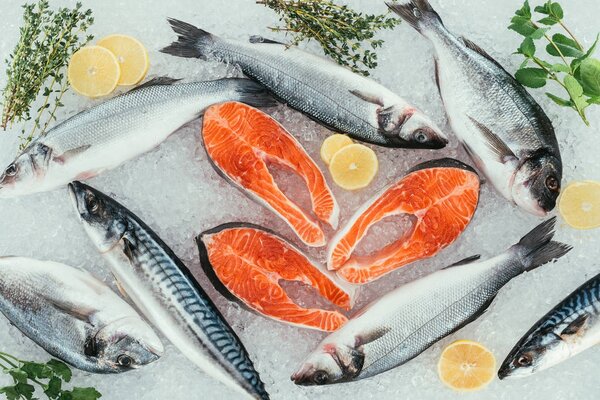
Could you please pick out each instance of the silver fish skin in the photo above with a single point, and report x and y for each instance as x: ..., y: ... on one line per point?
x: 74, y: 316
x: 122, y: 128
x: 327, y: 92
x: 571, y: 327
x: 405, y: 322
x: 165, y: 291
x: 504, y: 130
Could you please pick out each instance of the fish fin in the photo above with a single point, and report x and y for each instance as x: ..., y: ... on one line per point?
x: 414, y: 12
x: 436, y: 71
x: 500, y: 149
x: 464, y: 261
x: 82, y: 314
x: 576, y: 327
x: 539, y: 247
x: 159, y: 80
x: 473, y: 46
x: 192, y: 42
x: 67, y: 155
x: 253, y: 93
x: 371, y: 336
x: 128, y: 248
x: 260, y: 39
x: 370, y: 98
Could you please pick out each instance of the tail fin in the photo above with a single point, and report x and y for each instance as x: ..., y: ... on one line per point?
x: 415, y: 12
x: 539, y: 248
x: 192, y: 42
x: 253, y: 93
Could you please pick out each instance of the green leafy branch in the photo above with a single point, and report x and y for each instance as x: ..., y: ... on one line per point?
x: 340, y: 30
x: 49, y: 377
x: 37, y: 65
x: 573, y: 69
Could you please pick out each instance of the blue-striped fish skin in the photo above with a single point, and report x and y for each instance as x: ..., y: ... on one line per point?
x: 571, y: 327
x: 165, y: 291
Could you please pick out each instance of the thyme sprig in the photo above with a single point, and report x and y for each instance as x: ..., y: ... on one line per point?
x: 340, y: 30
x: 37, y: 65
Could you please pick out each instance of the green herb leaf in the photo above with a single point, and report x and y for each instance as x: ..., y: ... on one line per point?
x: 548, y: 21
x: 54, y: 388
x: 524, y: 11
x: 556, y: 11
x: 24, y: 389
x: 594, y: 100
x: 567, y: 46
x: 527, y: 48
x: 60, y: 369
x: 590, y: 76
x: 560, y: 68
x: 539, y: 33
x: 531, y: 77
x: 10, y: 392
x: 85, y: 394
x: 522, y: 25
x: 559, y: 101
x: 573, y: 87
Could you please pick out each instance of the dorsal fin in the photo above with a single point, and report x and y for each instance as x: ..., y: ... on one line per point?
x: 159, y: 80
x: 464, y: 261
x: 481, y: 51
x: 260, y: 39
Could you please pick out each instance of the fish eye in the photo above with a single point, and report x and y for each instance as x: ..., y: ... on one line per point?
x: 524, y: 360
x: 320, y: 377
x: 552, y: 183
x: 11, y: 170
x: 124, y: 360
x: 420, y: 136
x: 92, y: 203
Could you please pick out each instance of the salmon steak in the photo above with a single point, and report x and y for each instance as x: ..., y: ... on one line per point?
x: 440, y: 195
x: 240, y: 142
x: 247, y: 263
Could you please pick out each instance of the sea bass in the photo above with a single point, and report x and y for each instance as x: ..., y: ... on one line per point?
x: 504, y: 130
x: 74, y: 316
x: 405, y: 322
x: 568, y: 329
x: 165, y: 291
x: 118, y: 130
x: 327, y: 92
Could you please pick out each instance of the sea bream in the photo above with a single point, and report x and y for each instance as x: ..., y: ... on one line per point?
x: 327, y: 92
x: 165, y: 291
x: 571, y: 327
x: 118, y: 130
x: 74, y: 316
x: 405, y: 322
x: 504, y: 130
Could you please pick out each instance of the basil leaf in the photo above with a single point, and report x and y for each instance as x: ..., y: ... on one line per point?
x: 590, y: 76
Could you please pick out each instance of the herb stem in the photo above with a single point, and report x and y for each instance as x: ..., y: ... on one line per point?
x: 571, y: 34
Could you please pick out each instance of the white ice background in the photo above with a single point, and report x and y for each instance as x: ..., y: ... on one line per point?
x: 174, y: 189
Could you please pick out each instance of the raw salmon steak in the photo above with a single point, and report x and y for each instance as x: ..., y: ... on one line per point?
x: 240, y: 140
x: 246, y: 263
x: 441, y: 195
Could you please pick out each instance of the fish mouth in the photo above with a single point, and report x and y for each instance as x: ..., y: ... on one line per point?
x: 73, y: 190
x: 302, y: 376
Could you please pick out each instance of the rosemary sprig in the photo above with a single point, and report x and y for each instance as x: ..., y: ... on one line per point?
x: 340, y: 30
x: 37, y: 65
x: 49, y: 377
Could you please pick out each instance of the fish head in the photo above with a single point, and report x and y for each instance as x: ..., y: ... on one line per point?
x: 103, y: 222
x: 329, y: 363
x: 535, y: 353
x: 125, y: 344
x: 537, y: 183
x: 23, y: 174
x: 411, y: 129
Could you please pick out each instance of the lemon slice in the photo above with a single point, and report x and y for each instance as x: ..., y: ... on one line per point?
x: 332, y: 145
x: 353, y: 166
x: 466, y: 366
x: 93, y: 71
x: 579, y: 204
x: 131, y: 55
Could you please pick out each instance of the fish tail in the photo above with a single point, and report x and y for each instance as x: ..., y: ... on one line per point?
x: 253, y: 93
x: 192, y: 42
x: 417, y: 13
x: 538, y: 246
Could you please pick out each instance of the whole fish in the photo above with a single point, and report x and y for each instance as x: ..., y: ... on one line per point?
x: 74, y: 316
x: 327, y: 92
x: 165, y: 291
x: 118, y: 130
x: 504, y: 130
x: 568, y: 329
x: 405, y: 322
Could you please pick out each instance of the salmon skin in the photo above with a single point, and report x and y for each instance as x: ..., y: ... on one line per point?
x: 246, y: 262
x: 441, y: 194
x: 239, y: 140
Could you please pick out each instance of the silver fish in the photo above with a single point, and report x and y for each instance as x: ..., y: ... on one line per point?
x: 74, y: 316
x: 405, y: 322
x: 504, y: 130
x: 118, y: 130
x: 568, y: 329
x: 165, y: 291
x: 327, y: 92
